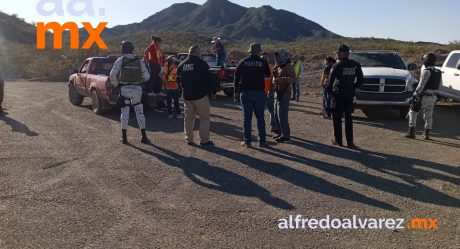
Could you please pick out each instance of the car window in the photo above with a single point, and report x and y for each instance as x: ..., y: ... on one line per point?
x: 102, y: 67
x: 84, y: 67
x: 210, y: 59
x: 453, y: 61
x: 379, y: 60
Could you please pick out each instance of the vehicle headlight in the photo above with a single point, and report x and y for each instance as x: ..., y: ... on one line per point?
x: 411, y: 82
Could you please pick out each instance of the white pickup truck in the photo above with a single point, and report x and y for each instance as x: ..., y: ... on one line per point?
x: 450, y: 87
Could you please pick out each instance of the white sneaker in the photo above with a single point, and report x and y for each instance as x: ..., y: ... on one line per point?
x: 162, y: 94
x: 152, y: 94
x: 171, y: 116
x: 180, y: 116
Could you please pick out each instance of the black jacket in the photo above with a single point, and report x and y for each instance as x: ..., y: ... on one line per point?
x: 195, y: 78
x: 250, y: 74
x: 346, y: 76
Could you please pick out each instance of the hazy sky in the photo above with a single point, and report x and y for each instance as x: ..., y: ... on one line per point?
x: 409, y: 20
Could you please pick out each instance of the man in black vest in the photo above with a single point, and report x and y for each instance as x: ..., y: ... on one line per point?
x: 346, y: 76
x: 426, y: 94
x: 250, y: 89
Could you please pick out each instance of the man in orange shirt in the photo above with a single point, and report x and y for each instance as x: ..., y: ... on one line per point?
x: 155, y: 59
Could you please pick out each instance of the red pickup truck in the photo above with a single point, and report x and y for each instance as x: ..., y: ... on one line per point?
x: 92, y: 80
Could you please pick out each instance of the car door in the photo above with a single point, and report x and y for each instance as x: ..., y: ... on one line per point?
x: 451, y: 74
x: 80, y: 80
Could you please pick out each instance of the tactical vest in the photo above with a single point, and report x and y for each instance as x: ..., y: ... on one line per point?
x: 131, y: 71
x: 435, y: 79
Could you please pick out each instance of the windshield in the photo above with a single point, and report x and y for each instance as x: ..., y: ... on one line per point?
x: 379, y: 60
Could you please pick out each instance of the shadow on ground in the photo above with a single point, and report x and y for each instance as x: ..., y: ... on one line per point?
x: 220, y: 179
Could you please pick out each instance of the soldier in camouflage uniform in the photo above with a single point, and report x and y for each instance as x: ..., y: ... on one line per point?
x: 129, y: 72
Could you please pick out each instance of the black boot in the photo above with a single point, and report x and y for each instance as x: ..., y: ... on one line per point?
x: 410, y: 133
x: 144, y: 138
x: 124, y: 138
x: 426, y: 134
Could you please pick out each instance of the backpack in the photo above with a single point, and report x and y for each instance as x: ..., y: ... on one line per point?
x: 131, y: 71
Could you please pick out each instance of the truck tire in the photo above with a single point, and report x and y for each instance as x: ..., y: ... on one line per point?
x: 96, y: 103
x: 75, y: 98
x: 229, y: 92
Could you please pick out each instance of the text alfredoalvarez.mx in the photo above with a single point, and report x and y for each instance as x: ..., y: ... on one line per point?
x: 93, y: 38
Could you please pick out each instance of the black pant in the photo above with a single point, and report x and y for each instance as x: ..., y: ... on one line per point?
x: 154, y: 84
x: 343, y: 105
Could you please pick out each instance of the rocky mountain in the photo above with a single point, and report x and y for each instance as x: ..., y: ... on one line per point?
x: 226, y: 19
x: 13, y: 28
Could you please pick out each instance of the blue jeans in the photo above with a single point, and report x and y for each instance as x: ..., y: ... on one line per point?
x: 282, y: 115
x: 271, y: 110
x: 326, y: 103
x: 296, y: 89
x: 173, y: 95
x: 254, y: 102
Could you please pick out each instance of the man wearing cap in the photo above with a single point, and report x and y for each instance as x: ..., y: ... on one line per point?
x: 250, y: 88
x: 195, y: 78
x: 346, y: 76
x: 2, y: 86
x: 155, y: 60
x: 219, y: 51
x: 283, y: 77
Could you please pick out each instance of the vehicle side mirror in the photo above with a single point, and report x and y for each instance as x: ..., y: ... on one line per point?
x: 412, y: 67
x: 75, y: 71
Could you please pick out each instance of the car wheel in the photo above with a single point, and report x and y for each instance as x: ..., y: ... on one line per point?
x: 75, y: 98
x: 97, y: 104
x: 228, y: 92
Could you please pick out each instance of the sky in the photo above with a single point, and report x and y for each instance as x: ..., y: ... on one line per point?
x: 407, y: 20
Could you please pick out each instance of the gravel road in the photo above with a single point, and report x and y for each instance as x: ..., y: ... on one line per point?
x: 66, y: 181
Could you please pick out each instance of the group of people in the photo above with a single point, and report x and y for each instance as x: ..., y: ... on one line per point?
x: 258, y: 86
x: 164, y: 76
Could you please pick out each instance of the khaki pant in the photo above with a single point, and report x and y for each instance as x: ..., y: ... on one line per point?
x: 428, y: 103
x: 192, y: 108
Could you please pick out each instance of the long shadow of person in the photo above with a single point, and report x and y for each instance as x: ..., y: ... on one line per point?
x: 301, y: 178
x: 385, y: 119
x: 396, y: 166
x: 217, y: 178
x: 17, y: 126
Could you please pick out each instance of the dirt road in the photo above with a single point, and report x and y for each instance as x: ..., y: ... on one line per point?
x: 66, y: 182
